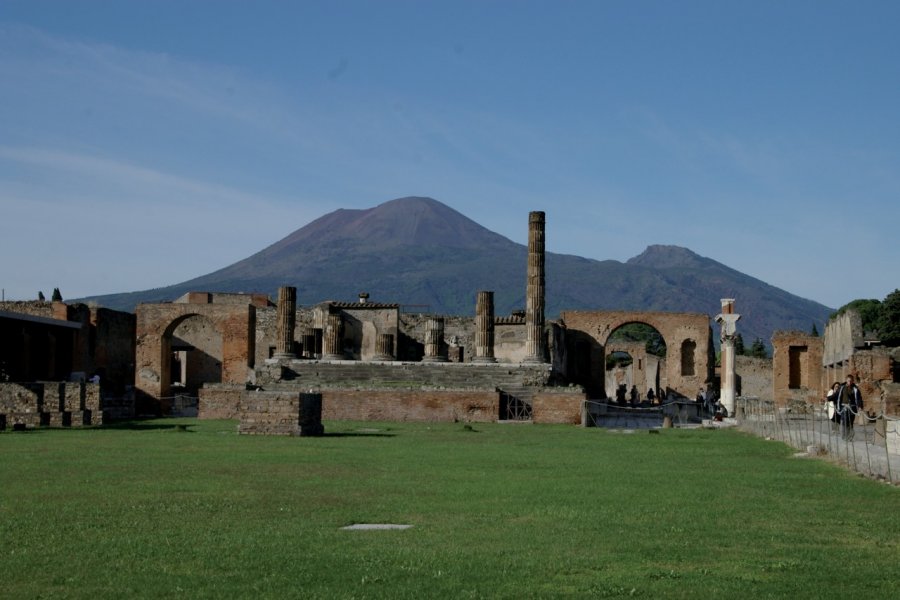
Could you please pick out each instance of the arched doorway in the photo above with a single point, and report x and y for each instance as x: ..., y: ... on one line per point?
x: 635, y: 355
x: 191, y: 356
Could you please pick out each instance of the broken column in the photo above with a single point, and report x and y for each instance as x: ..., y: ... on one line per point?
x: 384, y: 347
x: 434, y: 339
x: 287, y: 314
x: 333, y: 338
x: 534, y: 292
x: 727, y: 321
x: 484, y: 328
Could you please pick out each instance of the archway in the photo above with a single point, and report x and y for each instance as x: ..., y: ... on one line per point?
x: 192, y: 355
x: 687, y: 365
x: 635, y: 355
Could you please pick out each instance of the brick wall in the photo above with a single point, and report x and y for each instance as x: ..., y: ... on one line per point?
x: 480, y: 406
x: 562, y: 406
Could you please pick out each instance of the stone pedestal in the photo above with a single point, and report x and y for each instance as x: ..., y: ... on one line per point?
x: 434, y: 340
x: 484, y: 328
x: 534, y: 292
x: 287, y: 314
x: 333, y: 338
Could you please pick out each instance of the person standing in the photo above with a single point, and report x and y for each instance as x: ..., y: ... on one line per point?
x: 849, y: 402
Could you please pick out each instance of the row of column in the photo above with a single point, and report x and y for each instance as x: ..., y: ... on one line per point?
x: 332, y: 335
x: 434, y: 330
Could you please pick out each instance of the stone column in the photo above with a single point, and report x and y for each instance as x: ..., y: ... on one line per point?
x: 484, y: 328
x: 534, y: 292
x: 385, y: 347
x: 309, y: 343
x: 434, y: 339
x: 727, y: 321
x: 333, y: 338
x: 287, y: 314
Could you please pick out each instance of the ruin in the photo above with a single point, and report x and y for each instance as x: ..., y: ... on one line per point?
x: 225, y: 355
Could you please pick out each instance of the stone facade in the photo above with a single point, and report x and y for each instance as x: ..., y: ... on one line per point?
x: 796, y: 367
x: 50, y: 404
x: 754, y: 376
x: 689, y: 363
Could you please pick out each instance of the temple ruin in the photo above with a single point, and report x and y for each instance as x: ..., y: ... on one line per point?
x: 271, y: 364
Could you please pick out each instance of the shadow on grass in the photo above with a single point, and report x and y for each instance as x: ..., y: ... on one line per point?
x: 147, y: 426
x: 357, y: 434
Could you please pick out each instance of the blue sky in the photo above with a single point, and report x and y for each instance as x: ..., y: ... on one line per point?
x: 146, y: 143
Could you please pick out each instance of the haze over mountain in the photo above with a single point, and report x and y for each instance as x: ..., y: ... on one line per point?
x: 430, y: 258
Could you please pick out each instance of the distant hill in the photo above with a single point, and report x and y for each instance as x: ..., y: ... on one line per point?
x: 422, y: 254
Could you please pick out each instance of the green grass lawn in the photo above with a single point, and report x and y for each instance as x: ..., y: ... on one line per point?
x: 498, y: 511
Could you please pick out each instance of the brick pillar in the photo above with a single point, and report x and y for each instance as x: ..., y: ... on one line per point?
x: 287, y: 313
x: 534, y: 292
x: 384, y: 347
x: 333, y: 338
x: 434, y: 339
x: 484, y: 328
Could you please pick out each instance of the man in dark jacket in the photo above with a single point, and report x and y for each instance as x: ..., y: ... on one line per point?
x: 849, y: 402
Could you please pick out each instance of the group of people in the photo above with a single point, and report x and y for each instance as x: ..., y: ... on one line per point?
x: 634, y: 396
x: 843, y: 402
x: 709, y: 400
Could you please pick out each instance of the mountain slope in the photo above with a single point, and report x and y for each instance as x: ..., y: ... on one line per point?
x: 427, y: 256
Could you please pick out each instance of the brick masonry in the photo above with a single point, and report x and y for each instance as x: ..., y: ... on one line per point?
x: 50, y: 404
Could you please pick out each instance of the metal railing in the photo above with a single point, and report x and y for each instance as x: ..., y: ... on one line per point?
x: 867, y: 444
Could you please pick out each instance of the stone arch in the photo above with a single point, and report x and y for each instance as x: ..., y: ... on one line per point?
x: 156, y: 323
x: 194, y: 343
x: 593, y: 328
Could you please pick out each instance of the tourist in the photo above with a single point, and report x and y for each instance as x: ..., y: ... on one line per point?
x: 849, y: 402
x: 650, y: 396
x: 634, y: 395
x: 831, y: 406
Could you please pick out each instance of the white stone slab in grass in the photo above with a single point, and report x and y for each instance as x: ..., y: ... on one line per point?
x: 374, y: 526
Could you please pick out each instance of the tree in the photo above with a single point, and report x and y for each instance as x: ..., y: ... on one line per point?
x: 889, y: 320
x: 739, y: 349
x: 869, y: 312
x: 57, y: 297
x: 41, y: 296
x: 814, y: 331
x: 758, y: 349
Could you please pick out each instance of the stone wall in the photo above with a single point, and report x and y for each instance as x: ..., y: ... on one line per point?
x: 797, y: 367
x: 479, y: 406
x: 269, y: 413
x: 34, y: 308
x: 754, y: 376
x: 52, y: 403
x: 558, y: 406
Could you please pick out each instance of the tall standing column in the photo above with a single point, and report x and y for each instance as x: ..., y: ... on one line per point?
x: 333, y: 338
x: 385, y: 347
x: 727, y: 321
x: 434, y: 339
x: 484, y: 328
x: 534, y: 292
x: 287, y: 314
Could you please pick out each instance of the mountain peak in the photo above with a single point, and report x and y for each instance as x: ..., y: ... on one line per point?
x: 413, y: 220
x: 659, y: 256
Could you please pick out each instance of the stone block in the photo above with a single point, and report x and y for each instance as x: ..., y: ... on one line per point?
x: 74, y: 396
x: 80, y: 418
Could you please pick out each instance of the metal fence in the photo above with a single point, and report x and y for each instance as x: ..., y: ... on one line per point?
x: 870, y: 446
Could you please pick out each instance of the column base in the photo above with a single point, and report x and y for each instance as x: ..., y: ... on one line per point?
x: 434, y: 359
